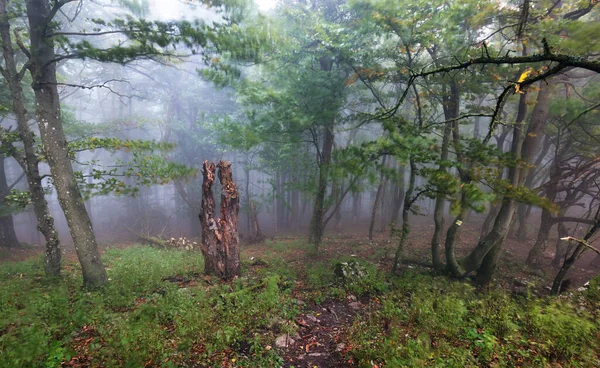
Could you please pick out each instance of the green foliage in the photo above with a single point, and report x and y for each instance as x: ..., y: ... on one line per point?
x: 436, y: 322
x: 140, y: 316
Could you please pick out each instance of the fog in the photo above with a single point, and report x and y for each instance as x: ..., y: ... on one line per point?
x: 206, y: 108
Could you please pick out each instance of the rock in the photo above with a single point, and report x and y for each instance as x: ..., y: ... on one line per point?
x: 312, y: 318
x: 340, y: 347
x: 284, y: 341
x: 350, y: 271
x: 355, y: 305
x: 316, y: 354
x: 352, y: 298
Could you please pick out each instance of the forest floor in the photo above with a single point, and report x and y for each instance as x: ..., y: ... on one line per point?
x: 291, y: 310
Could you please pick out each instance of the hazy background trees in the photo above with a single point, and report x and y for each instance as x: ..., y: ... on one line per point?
x: 363, y: 116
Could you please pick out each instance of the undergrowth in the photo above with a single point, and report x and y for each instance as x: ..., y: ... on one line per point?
x: 160, y: 311
x: 427, y: 320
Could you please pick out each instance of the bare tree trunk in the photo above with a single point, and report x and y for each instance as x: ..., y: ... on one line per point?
x: 228, y: 223
x: 43, y: 72
x: 208, y: 221
x: 29, y: 163
x: 220, y: 239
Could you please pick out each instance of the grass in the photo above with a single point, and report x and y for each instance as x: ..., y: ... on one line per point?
x: 158, y: 310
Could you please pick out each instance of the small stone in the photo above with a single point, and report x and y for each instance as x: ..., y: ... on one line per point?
x: 312, y: 318
x: 340, y: 347
x: 284, y: 341
x: 316, y: 354
x: 352, y: 298
x: 355, y: 305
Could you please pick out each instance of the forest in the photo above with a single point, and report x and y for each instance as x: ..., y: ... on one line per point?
x: 299, y: 183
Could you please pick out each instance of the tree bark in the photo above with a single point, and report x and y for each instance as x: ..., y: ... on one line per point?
x: 577, y: 252
x: 535, y: 253
x: 523, y: 148
x: 408, y: 201
x: 496, y: 236
x: 316, y: 222
x: 451, y: 106
x: 376, y: 201
x: 29, y: 162
x: 208, y: 221
x: 561, y: 245
x: 524, y: 209
x: 220, y: 239
x: 356, y: 206
x: 399, y: 193
x: 43, y: 72
x: 8, y: 237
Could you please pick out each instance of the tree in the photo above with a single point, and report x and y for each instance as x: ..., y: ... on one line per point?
x: 29, y: 160
x: 8, y: 237
x: 220, y: 240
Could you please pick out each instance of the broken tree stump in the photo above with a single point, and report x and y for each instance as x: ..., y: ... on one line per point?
x: 220, y: 239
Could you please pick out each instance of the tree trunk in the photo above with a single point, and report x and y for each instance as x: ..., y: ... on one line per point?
x: 208, y: 221
x: 535, y: 253
x: 502, y: 222
x: 579, y: 249
x: 408, y: 201
x: 257, y: 235
x: 8, y: 237
x: 561, y: 245
x: 43, y: 72
x: 316, y: 222
x: 356, y: 199
x: 398, y: 199
x: 541, y: 242
x: 220, y: 239
x: 29, y: 163
x: 524, y: 209
x: 523, y: 148
x: 228, y: 223
x: 451, y: 108
x: 295, y: 204
x: 494, y: 206
x: 376, y: 201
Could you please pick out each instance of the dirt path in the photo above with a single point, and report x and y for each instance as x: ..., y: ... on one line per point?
x: 319, y: 341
